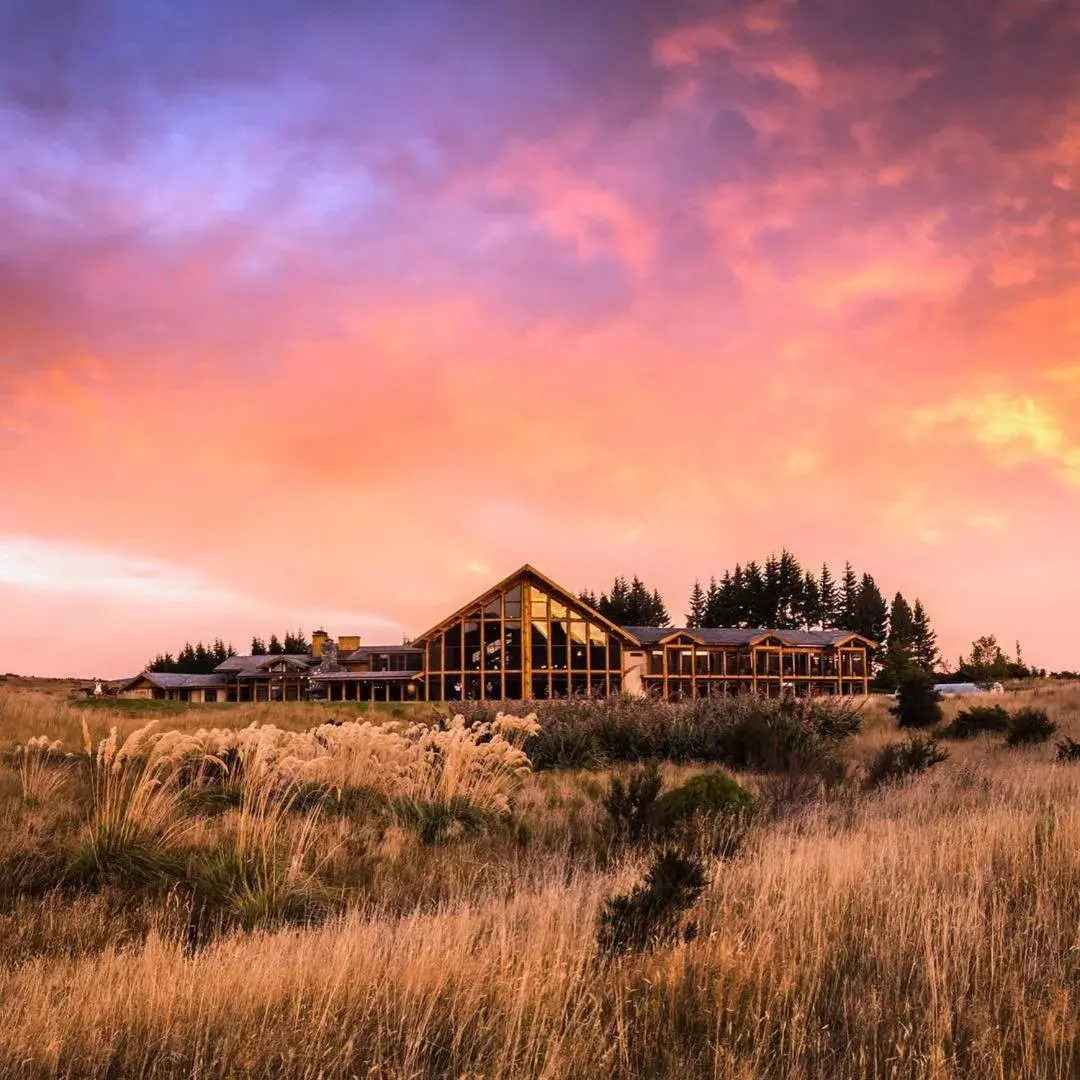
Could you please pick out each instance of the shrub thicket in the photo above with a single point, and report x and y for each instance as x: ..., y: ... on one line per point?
x: 652, y: 913
x: 637, y: 811
x: 745, y: 732
x: 1068, y: 750
x: 975, y: 720
x: 897, y: 761
x: 1029, y: 726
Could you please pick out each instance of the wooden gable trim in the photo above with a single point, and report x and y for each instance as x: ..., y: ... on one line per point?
x: 673, y: 638
x: 552, y: 587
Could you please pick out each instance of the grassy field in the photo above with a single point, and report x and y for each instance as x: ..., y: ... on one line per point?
x: 929, y: 928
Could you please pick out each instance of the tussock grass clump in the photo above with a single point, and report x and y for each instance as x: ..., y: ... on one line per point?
x: 135, y: 821
x: 43, y: 769
x: 899, y: 761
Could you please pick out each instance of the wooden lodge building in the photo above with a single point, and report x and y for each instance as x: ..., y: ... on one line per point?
x: 528, y: 637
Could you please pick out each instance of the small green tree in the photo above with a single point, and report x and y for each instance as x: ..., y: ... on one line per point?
x: 918, y: 704
x: 696, y: 615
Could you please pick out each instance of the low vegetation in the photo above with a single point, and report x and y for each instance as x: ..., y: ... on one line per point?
x: 620, y: 889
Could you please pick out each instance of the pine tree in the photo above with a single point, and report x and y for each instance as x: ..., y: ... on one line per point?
x: 658, y: 613
x: 790, y: 600
x: 810, y: 609
x: 258, y: 646
x: 698, y: 606
x: 296, y: 644
x: 849, y: 597
x: 754, y: 602
x: 712, y: 603
x: 924, y: 640
x: 737, y: 611
x: 900, y: 644
x: 275, y: 648
x: 828, y: 599
x: 589, y: 598
x: 871, y: 611
x: 771, y: 598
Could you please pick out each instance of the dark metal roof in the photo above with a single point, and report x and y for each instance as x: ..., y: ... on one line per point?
x: 172, y: 680
x: 345, y: 676
x: 366, y: 651
x: 730, y: 635
x: 249, y: 665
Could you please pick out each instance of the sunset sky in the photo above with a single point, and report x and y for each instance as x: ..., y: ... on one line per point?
x: 329, y: 313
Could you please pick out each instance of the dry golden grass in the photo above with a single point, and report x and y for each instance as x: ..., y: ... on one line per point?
x: 930, y: 930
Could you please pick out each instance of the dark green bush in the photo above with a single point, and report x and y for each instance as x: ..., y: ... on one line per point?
x: 976, y: 719
x: 706, y: 793
x: 897, y: 761
x: 1029, y: 726
x: 918, y: 704
x: 651, y: 913
x: 1068, y: 750
x: 631, y: 806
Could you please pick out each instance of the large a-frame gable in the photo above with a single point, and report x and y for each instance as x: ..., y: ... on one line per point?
x: 533, y: 576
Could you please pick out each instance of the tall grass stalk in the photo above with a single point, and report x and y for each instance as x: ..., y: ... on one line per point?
x: 135, y: 822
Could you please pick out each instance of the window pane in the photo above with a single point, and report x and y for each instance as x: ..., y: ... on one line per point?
x: 579, y: 685
x: 472, y: 646
x: 492, y: 686
x: 540, y: 656
x: 472, y: 687
x: 558, y: 611
x: 540, y: 686
x: 494, y: 607
x: 434, y: 653
x: 701, y: 663
x: 512, y: 690
x: 560, y: 686
x: 615, y: 654
x: 579, y: 656
x: 539, y: 604
x: 493, y: 645
x: 512, y: 638
x: 656, y: 662
x: 597, y: 648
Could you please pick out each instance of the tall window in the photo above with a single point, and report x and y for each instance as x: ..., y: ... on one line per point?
x: 522, y: 641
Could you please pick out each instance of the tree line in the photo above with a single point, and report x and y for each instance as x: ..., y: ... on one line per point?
x: 197, y: 659
x: 200, y: 659
x: 780, y: 594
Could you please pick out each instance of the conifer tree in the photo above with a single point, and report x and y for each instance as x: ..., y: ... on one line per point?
x: 924, y: 640
x: 275, y: 648
x: 712, y: 603
x: 900, y: 644
x: 790, y: 599
x: 810, y: 610
x: 258, y: 646
x: 737, y: 613
x: 828, y: 599
x: 849, y: 597
x: 590, y: 598
x: 871, y: 611
x: 658, y: 613
x: 754, y: 604
x: 698, y: 606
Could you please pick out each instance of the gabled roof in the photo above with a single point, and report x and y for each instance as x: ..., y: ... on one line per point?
x: 250, y: 665
x: 172, y: 680
x: 366, y: 651
x: 727, y: 635
x: 552, y: 587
